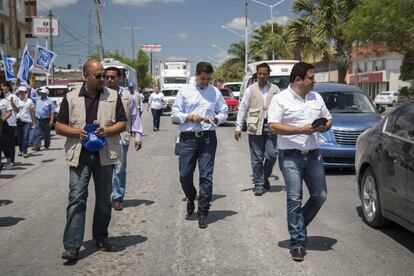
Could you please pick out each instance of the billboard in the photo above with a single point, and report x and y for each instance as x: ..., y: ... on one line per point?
x: 151, y: 47
x: 40, y: 26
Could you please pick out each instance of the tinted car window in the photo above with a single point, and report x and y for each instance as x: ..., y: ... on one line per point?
x: 226, y: 93
x: 281, y: 81
x: 404, y: 123
x: 57, y: 92
x: 347, y: 102
x: 233, y: 87
x: 170, y: 92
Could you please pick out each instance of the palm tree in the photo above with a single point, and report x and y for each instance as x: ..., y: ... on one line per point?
x: 232, y: 69
x: 326, y: 19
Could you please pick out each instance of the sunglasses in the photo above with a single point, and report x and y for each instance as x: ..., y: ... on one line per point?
x: 109, y: 77
x: 99, y: 76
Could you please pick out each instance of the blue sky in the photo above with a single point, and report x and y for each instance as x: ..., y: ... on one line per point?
x: 184, y: 28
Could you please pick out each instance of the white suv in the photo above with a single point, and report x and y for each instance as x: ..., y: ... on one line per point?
x: 387, y: 98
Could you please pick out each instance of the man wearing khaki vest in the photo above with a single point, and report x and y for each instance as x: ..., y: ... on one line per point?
x: 92, y: 103
x: 262, y: 143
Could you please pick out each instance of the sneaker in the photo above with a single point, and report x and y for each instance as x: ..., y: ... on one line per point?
x: 154, y: 129
x: 117, y: 205
x: 20, y: 154
x: 258, y: 191
x: 70, y: 254
x: 298, y: 254
x: 25, y: 155
x: 103, y: 244
x: 202, y: 221
x: 266, y: 184
x: 8, y: 166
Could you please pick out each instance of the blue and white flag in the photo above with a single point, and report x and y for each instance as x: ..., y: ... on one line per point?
x: 7, y: 66
x: 44, y: 58
x: 26, y: 64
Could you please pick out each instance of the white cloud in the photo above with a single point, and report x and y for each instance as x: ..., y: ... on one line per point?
x: 183, y: 35
x: 238, y: 23
x: 281, y: 20
x: 144, y: 2
x: 50, y: 4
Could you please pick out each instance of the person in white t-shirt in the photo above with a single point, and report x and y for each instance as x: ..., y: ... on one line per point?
x: 156, y: 101
x: 5, y: 113
x: 25, y: 119
x: 11, y: 125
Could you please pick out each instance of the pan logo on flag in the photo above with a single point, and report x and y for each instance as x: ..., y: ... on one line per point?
x: 44, y: 58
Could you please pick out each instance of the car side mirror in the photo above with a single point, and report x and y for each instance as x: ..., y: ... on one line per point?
x: 381, y: 109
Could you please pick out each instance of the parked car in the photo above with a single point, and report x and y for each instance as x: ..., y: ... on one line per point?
x: 170, y: 95
x: 389, y: 98
x: 232, y: 103
x: 352, y: 113
x: 384, y: 166
x: 234, y: 87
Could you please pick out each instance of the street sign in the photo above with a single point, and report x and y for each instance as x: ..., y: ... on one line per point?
x: 40, y: 26
x: 151, y: 47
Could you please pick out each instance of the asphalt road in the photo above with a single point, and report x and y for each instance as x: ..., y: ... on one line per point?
x: 246, y: 235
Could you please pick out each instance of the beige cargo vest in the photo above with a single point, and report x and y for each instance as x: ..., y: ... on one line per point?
x: 257, y: 107
x: 106, y: 117
x: 126, y: 102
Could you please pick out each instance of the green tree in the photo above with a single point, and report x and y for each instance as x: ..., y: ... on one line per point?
x: 232, y: 69
x: 328, y: 19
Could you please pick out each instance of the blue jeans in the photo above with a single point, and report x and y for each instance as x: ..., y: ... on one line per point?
x: 203, y: 150
x: 23, y: 129
x: 32, y: 132
x: 89, y: 165
x: 42, y: 126
x: 263, y: 156
x: 119, y: 180
x: 296, y: 167
x: 156, y: 117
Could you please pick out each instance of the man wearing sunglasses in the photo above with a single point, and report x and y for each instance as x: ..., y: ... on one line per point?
x: 112, y: 79
x: 91, y: 104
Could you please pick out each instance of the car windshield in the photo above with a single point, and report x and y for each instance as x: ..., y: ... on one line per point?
x: 226, y: 93
x: 281, y: 81
x: 233, y: 87
x: 347, y: 102
x: 169, y: 92
x: 57, y: 92
x: 175, y: 80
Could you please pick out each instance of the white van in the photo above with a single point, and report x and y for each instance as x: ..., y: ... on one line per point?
x: 279, y: 73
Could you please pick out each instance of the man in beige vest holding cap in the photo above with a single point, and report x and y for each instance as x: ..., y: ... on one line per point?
x: 91, y: 104
x: 262, y: 143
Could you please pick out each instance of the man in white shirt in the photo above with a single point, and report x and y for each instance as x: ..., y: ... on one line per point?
x: 291, y: 114
x: 10, y: 151
x: 262, y: 143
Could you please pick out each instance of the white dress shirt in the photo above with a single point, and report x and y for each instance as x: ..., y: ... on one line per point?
x: 288, y: 108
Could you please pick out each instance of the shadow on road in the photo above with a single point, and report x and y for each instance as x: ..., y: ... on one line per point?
x: 4, y: 202
x: 214, y: 216
x: 9, y: 221
x: 7, y: 176
x: 395, y: 232
x: 137, y: 202
x: 273, y: 189
x: 339, y: 172
x: 119, y: 243
x: 213, y: 198
x: 316, y: 243
x: 19, y: 164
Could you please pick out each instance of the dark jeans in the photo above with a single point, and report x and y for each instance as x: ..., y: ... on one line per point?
x: 203, y: 150
x: 23, y: 129
x: 42, y: 126
x: 296, y: 167
x: 263, y: 156
x: 156, y: 117
x: 9, y: 141
x: 89, y: 165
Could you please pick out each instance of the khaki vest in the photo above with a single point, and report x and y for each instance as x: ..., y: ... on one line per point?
x: 257, y: 107
x: 126, y: 102
x: 106, y: 117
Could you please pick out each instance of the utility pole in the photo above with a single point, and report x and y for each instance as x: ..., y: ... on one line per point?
x: 89, y: 32
x: 132, y: 28
x: 246, y: 45
x: 98, y: 16
x: 13, y: 28
x: 52, y: 73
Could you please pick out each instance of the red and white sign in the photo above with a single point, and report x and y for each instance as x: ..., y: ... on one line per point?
x: 151, y: 47
x: 40, y: 26
x: 366, y: 77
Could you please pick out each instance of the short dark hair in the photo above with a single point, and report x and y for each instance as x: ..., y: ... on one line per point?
x: 300, y: 70
x: 118, y: 72
x: 263, y: 65
x: 204, y: 67
x: 8, y: 84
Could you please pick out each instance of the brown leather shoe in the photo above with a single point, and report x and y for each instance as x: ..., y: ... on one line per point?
x: 117, y: 205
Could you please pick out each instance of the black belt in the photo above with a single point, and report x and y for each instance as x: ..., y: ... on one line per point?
x: 196, y: 134
x: 292, y: 151
x: 43, y: 118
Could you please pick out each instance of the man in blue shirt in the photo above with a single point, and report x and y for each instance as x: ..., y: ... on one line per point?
x: 45, y: 113
x: 199, y: 108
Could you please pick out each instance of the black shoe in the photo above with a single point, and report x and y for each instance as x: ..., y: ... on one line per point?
x: 298, y: 254
x: 267, y: 184
x: 70, y: 254
x: 202, y: 221
x: 190, y: 207
x: 103, y: 244
x: 258, y: 191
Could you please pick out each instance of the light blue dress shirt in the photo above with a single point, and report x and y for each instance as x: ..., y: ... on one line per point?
x: 206, y: 102
x: 44, y: 108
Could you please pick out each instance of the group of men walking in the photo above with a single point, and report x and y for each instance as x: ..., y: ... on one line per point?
x: 279, y: 124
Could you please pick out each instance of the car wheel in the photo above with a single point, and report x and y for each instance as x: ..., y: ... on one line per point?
x: 371, y: 206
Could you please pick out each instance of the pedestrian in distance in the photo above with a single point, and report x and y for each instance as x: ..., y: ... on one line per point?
x: 5, y: 113
x: 112, y: 78
x: 45, y: 117
x: 199, y: 108
x: 292, y: 115
x: 155, y: 102
x: 262, y: 142
x: 11, y: 126
x: 25, y: 119
x: 91, y: 118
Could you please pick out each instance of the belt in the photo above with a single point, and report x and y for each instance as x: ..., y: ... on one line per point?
x: 43, y: 118
x: 197, y: 134
x: 304, y: 152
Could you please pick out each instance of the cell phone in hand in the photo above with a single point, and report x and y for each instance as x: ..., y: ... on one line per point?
x: 319, y: 122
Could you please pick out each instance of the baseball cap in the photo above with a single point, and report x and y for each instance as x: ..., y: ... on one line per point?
x: 131, y: 85
x: 22, y: 88
x: 44, y: 90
